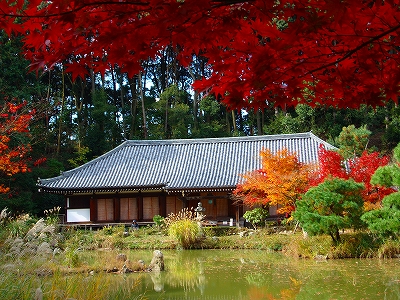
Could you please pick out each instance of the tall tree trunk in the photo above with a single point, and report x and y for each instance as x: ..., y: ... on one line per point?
x: 166, y: 119
x: 132, y: 86
x: 82, y: 115
x: 228, y: 125
x: 234, y: 121
x: 93, y: 80
x: 47, y: 118
x: 141, y: 87
x: 196, y: 100
x: 262, y: 120
x: 115, y: 107
x: 259, y: 122
x: 60, y: 120
x: 163, y: 71
x: 123, y: 112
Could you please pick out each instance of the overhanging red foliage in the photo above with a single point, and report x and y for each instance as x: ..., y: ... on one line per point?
x: 340, y: 53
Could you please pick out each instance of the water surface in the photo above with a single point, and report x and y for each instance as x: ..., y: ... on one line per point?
x: 234, y: 274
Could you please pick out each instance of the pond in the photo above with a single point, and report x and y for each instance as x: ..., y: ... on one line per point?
x: 215, y: 274
x: 232, y: 274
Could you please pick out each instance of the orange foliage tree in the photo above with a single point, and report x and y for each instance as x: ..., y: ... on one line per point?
x: 14, y: 125
x: 281, y: 180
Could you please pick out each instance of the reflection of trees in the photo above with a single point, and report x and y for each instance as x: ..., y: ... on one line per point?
x: 276, y: 277
x: 259, y: 290
x: 186, y: 272
x: 292, y: 292
x: 262, y: 275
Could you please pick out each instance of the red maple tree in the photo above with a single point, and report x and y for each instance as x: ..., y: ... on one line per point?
x: 13, y: 155
x: 332, y: 164
x: 340, y: 53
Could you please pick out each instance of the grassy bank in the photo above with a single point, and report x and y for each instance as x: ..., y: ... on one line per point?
x: 67, y: 239
x: 353, y: 244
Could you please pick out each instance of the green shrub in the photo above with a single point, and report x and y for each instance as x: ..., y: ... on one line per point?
x: 353, y: 245
x: 107, y: 230
x: 256, y: 216
x: 118, y: 242
x: 386, y: 220
x: 184, y: 227
x: 82, y: 239
x: 158, y: 220
x: 331, y: 206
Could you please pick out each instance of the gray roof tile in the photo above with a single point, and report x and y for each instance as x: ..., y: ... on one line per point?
x: 178, y: 165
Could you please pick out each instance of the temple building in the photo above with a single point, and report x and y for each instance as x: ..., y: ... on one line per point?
x: 143, y: 178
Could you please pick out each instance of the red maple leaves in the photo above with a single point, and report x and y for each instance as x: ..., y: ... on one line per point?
x: 332, y: 164
x: 13, y: 155
x: 260, y: 51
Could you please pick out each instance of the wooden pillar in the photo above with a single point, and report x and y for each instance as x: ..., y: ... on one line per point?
x: 117, y: 210
x: 66, y: 208
x: 162, y: 204
x: 140, y: 206
x: 184, y: 201
x: 233, y: 210
x: 93, y: 209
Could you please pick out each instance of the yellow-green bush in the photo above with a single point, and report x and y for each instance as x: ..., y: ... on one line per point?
x: 185, y: 231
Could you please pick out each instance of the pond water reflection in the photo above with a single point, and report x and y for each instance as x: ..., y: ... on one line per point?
x: 227, y: 274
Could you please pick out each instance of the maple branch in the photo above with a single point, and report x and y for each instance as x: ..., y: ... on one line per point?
x: 218, y: 3
x: 99, y: 3
x: 351, y: 52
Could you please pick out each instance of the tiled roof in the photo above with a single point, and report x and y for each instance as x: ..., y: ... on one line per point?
x: 179, y: 165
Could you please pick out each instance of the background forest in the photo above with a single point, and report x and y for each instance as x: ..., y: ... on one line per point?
x: 78, y: 120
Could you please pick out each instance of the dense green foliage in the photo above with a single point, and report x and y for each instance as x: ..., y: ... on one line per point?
x: 353, y: 141
x: 256, y: 216
x: 331, y: 206
x: 385, y: 221
x: 158, y: 220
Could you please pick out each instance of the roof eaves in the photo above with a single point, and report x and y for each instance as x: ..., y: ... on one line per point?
x: 200, y: 189
x: 92, y: 190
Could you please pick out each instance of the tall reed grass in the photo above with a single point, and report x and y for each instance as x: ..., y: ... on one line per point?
x: 186, y: 232
x: 184, y: 227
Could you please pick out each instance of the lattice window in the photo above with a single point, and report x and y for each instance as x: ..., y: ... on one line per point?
x: 105, y: 209
x: 128, y: 209
x: 151, y: 207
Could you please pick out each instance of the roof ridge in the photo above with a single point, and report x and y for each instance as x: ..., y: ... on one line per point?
x: 221, y: 139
